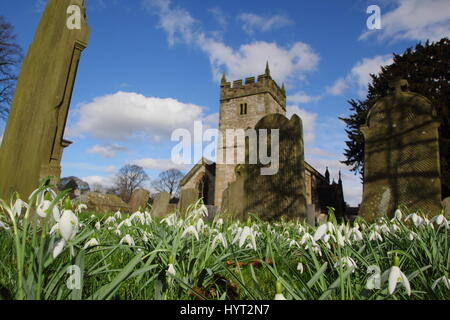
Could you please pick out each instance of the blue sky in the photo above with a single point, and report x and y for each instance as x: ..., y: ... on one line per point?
x: 152, y: 66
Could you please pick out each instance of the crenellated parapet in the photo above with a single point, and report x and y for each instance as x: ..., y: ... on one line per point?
x: 264, y: 84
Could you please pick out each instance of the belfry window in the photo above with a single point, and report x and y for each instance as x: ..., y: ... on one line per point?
x: 243, y: 109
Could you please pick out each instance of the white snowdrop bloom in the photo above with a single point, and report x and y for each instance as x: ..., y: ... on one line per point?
x: 68, y: 225
x: 200, y: 225
x: 93, y: 216
x: 395, y: 276
x: 171, y: 270
x: 44, y: 206
x: 170, y: 220
x: 98, y: 225
x: 279, y: 296
x: 18, y: 206
x: 243, y: 234
x: 395, y: 228
x: 323, y: 229
x: 374, y: 235
x: 219, y: 222
x: 110, y: 220
x: 440, y: 220
x: 148, y: 218
x: 128, y: 240
x: 300, y: 267
x: 397, y: 215
x: 126, y: 222
x: 91, y: 243
x: 442, y: 279
x: 357, y: 235
x: 412, y: 235
x: 301, y: 229
x: 190, y: 230
x: 306, y: 238
x: 59, y: 246
x: 346, y: 262
x: 219, y: 238
x: 416, y: 219
x: 145, y: 238
x: 385, y: 229
x: 3, y: 226
x: 54, y: 228
x: 118, y: 232
x: 118, y: 215
x: 314, y: 247
x: 293, y: 243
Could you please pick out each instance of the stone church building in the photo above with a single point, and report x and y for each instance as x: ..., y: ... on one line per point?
x: 241, y: 107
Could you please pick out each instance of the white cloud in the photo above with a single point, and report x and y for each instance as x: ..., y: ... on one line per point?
x: 88, y: 166
x: 308, y: 120
x: 107, y: 151
x: 359, y: 75
x: 414, y: 20
x: 252, y: 22
x: 159, y: 164
x: 301, y: 97
x: 290, y: 62
x: 219, y: 16
x: 104, y: 181
x: 126, y: 115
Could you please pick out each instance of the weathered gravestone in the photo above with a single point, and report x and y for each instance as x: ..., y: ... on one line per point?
x: 33, y: 140
x: 160, y: 206
x: 139, y: 199
x: 271, y: 196
x: 188, y: 197
x: 446, y: 206
x: 401, y: 155
x: 103, y: 203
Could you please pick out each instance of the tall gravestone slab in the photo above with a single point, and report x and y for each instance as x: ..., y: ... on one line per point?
x: 271, y: 196
x: 401, y: 155
x: 33, y: 141
x: 160, y: 207
x: 188, y: 197
x: 139, y: 200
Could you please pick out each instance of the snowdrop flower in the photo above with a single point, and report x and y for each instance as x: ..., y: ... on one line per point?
x: 279, y: 295
x: 397, y: 215
x: 98, y: 225
x: 412, y: 235
x: 219, y: 238
x: 300, y: 267
x: 243, y: 234
x: 54, y: 228
x: 171, y: 270
x: 374, y: 235
x: 443, y: 279
x: 145, y: 238
x: 118, y: 215
x: 43, y: 207
x: 440, y: 220
x: 200, y: 225
x: 58, y: 248
x: 306, y: 238
x: 169, y: 220
x: 3, y: 226
x: 202, y: 211
x: 416, y: 219
x: 396, y: 275
x: 192, y: 231
x: 91, y: 243
x: 118, y: 232
x: 110, y: 220
x: 148, y: 218
x: 126, y: 222
x: 323, y: 229
x: 68, y: 225
x: 128, y: 240
x: 219, y: 222
x: 293, y: 243
x: 346, y: 262
x: 93, y: 216
x: 81, y: 207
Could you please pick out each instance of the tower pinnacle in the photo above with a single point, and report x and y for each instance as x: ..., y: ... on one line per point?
x: 267, y: 72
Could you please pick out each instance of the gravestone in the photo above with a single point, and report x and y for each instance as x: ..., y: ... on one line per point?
x: 401, y: 156
x: 160, y: 207
x: 271, y: 196
x: 139, y: 199
x: 311, y: 214
x: 446, y: 206
x: 103, y: 203
x: 188, y: 197
x: 33, y: 141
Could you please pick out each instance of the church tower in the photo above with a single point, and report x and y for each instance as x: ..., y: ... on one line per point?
x: 241, y: 107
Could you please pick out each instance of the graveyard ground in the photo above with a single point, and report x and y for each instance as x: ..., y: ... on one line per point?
x: 119, y: 256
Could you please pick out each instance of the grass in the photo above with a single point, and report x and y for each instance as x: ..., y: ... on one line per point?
x: 114, y: 270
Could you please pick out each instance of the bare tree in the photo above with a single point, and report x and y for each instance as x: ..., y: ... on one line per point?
x: 10, y: 59
x: 169, y: 181
x: 129, y: 178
